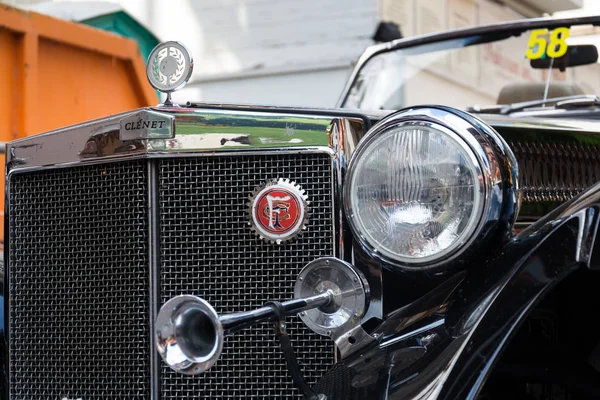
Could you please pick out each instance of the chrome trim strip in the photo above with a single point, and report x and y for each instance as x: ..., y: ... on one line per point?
x: 418, y: 331
x: 106, y: 160
x: 242, y: 152
x: 330, y: 112
x: 154, y: 273
x: 6, y: 288
x: 344, y: 141
x: 522, y: 122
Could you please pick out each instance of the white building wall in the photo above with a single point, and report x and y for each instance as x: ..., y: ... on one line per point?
x: 296, y: 52
x: 314, y: 88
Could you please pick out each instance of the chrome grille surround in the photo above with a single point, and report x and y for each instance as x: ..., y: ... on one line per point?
x: 206, y: 197
x: 78, y: 276
x: 276, y: 136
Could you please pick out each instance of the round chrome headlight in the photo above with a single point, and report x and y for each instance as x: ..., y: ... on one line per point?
x: 424, y: 184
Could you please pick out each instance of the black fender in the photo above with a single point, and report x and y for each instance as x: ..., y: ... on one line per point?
x: 445, y: 344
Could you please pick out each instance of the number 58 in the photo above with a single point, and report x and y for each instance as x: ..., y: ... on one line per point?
x: 555, y: 47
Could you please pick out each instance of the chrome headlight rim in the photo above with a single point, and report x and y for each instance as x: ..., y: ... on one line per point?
x: 480, y: 143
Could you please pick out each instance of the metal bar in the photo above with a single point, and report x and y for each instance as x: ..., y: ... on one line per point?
x: 236, y: 321
x: 153, y: 261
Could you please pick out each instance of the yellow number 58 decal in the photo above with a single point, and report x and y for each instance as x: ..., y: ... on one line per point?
x: 553, y: 47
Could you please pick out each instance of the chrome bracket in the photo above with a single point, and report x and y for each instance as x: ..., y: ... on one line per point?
x: 341, y: 319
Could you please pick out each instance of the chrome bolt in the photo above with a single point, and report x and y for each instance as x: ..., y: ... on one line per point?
x: 328, y: 333
x: 300, y: 279
x: 326, y: 262
x: 303, y: 313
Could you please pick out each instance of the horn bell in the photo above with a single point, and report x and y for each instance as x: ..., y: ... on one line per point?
x: 189, y: 335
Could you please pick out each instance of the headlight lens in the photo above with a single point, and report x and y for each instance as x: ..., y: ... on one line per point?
x: 415, y: 192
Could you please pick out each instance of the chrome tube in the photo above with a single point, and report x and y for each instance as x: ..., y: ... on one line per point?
x: 190, y: 333
x: 237, y: 321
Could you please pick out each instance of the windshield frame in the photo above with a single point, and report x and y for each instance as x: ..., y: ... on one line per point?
x: 483, y: 32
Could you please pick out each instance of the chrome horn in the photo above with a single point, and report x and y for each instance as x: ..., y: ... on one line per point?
x: 190, y: 333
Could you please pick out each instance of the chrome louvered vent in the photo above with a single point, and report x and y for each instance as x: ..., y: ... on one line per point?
x: 555, y: 172
x: 78, y: 267
x: 209, y: 250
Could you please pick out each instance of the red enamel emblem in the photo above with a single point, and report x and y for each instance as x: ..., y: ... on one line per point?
x: 279, y: 210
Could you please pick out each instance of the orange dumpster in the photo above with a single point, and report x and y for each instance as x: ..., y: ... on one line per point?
x: 55, y: 73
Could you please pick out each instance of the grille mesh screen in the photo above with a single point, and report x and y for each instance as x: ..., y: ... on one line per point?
x: 208, y: 249
x: 79, y: 283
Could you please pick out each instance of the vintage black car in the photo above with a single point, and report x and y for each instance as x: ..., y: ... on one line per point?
x: 389, y: 248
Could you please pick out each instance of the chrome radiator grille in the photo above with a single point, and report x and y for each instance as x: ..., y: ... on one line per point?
x: 78, y: 271
x: 208, y: 249
x: 79, y: 276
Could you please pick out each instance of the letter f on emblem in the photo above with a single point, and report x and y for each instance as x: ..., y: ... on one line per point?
x: 275, y: 211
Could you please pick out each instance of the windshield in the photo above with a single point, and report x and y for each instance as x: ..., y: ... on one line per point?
x: 482, y: 70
